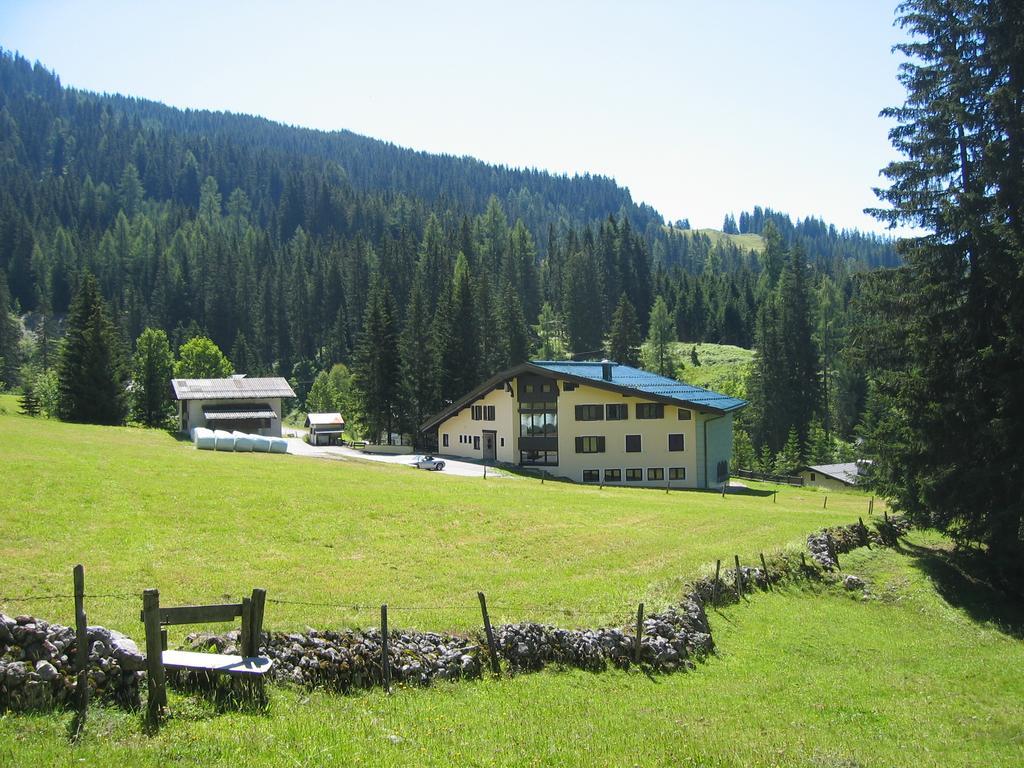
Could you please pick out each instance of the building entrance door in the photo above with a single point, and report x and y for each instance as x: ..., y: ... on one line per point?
x: 490, y: 443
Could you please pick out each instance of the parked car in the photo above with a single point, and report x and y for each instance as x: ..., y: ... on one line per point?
x: 429, y: 462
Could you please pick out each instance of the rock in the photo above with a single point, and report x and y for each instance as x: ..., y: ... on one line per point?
x: 17, y: 673
x: 46, y: 671
x: 852, y: 582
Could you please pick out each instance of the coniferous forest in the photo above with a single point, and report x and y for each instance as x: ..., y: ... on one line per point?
x: 294, y: 250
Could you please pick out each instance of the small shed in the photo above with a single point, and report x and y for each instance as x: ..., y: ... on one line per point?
x: 325, y: 428
x: 238, y: 404
x: 835, y: 476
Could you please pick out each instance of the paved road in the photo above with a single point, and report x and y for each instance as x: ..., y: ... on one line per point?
x: 299, y: 447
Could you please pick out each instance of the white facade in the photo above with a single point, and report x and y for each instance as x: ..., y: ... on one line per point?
x: 597, y: 435
x: 191, y: 414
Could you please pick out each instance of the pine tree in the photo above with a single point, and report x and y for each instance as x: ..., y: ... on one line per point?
x: 10, y: 333
x: 91, y: 370
x: 513, y: 333
x: 200, y: 358
x: 743, y: 456
x: 658, y: 352
x: 28, y: 402
x: 819, y: 444
x: 789, y: 460
x: 376, y: 365
x: 418, y: 362
x: 151, y: 378
x: 624, y: 335
x: 242, y: 358
x: 953, y: 455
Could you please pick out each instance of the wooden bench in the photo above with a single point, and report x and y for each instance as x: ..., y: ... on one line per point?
x: 158, y: 659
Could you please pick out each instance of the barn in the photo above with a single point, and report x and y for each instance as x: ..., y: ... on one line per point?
x: 237, y: 403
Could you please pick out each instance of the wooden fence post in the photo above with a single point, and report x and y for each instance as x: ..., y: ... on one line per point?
x: 774, y: 494
x: 81, y: 650
x: 739, y: 579
x: 714, y: 587
x: 156, y: 681
x: 491, y: 647
x: 864, y: 531
x: 764, y: 566
x: 825, y: 505
x: 639, y: 633
x: 385, y: 662
x: 803, y: 562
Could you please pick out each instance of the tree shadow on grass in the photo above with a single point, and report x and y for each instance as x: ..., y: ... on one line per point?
x: 965, y: 580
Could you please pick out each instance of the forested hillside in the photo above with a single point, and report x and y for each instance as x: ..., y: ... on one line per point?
x: 296, y: 249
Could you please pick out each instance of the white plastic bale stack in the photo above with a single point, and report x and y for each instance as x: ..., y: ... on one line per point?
x: 260, y: 443
x: 244, y: 442
x: 204, y: 439
x: 225, y: 440
x: 278, y: 445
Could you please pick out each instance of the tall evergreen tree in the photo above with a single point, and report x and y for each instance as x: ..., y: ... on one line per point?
x: 376, y: 365
x: 624, y: 335
x: 418, y: 363
x: 661, y: 336
x: 152, y: 370
x: 949, y: 337
x: 91, y: 371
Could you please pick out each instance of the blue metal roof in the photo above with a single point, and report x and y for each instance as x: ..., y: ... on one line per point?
x: 643, y: 382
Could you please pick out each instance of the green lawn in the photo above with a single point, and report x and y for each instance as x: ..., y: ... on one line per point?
x: 919, y: 674
x: 140, y: 508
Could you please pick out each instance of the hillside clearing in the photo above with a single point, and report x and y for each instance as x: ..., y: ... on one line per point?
x: 140, y: 508
x: 803, y: 677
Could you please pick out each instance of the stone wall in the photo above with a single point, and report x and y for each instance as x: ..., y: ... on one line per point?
x: 37, y: 665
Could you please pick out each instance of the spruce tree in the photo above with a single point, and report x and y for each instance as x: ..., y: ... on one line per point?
x: 151, y: 378
x: 661, y: 336
x: 789, y: 460
x: 624, y: 335
x: 91, y: 371
x: 28, y: 402
x: 948, y: 450
x: 376, y: 364
x: 418, y: 362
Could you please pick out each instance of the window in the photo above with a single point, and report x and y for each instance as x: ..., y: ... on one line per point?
x: 476, y: 442
x: 813, y: 477
x: 547, y: 388
x: 538, y: 458
x: 528, y: 388
x: 676, y: 443
x: 632, y: 443
x: 650, y: 411
x: 591, y: 476
x: 655, y: 473
x: 590, y: 445
x: 616, y: 412
x: 684, y: 414
x: 478, y: 412
x: 488, y: 413
x: 444, y: 440
x: 634, y: 475
x: 502, y: 439
x: 723, y: 471
x: 568, y: 386
x: 677, y: 473
x: 613, y: 475
x: 589, y: 413
x: 538, y: 420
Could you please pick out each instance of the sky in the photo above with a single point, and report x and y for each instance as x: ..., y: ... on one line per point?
x: 699, y: 108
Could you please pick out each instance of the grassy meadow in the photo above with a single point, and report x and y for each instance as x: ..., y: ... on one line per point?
x: 141, y: 508
x: 928, y: 670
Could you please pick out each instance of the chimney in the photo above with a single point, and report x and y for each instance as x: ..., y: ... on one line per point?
x: 606, y: 370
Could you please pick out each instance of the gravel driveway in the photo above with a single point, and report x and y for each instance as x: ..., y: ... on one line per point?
x: 299, y: 447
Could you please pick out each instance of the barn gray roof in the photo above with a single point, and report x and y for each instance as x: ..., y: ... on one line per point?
x: 231, y: 389
x: 238, y: 412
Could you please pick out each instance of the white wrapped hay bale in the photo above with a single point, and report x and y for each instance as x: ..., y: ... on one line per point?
x: 225, y: 440
x: 260, y: 443
x: 204, y: 439
x: 278, y: 445
x: 244, y: 442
